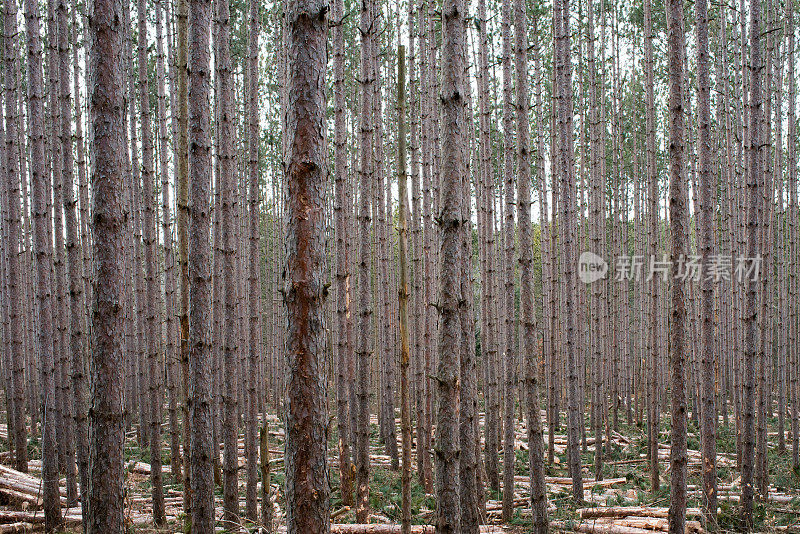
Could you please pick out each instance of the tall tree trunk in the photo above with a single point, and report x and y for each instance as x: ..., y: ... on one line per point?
x: 199, y: 320
x: 489, y: 330
x: 563, y: 68
x: 468, y: 387
x: 77, y: 262
x: 229, y: 196
x: 55, y: 164
x: 529, y: 341
x: 341, y: 214
x: 40, y: 183
x: 652, y: 181
x: 108, y: 228
x: 598, y: 231
x: 17, y: 433
x: 254, y: 275
x: 678, y: 347
x: 708, y: 413
x: 152, y: 279
x: 74, y: 259
x: 754, y: 162
x: 405, y: 349
x: 510, y: 355
x: 364, y: 354
x: 182, y: 198
x: 793, y: 226
x: 453, y: 180
x: 305, y: 171
x: 169, y: 255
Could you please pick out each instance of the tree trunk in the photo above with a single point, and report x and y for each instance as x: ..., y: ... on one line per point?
x: 652, y: 180
x: 405, y: 356
x: 17, y: 432
x: 341, y: 211
x: 563, y: 67
x: 199, y: 320
x: 754, y: 162
x: 169, y: 256
x: 227, y: 185
x: 678, y: 347
x: 708, y: 413
x: 40, y: 182
x: 510, y: 355
x: 108, y: 227
x: 182, y: 198
x: 152, y: 279
x: 254, y: 297
x: 364, y: 354
x: 792, y: 172
x: 306, y: 437
x: 453, y: 180
x: 528, y: 345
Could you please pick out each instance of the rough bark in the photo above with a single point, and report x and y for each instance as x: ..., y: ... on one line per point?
x: 488, y: 327
x: 510, y: 323
x: 754, y: 163
x: 18, y: 440
x: 567, y: 160
x: 529, y: 342
x: 40, y: 182
x: 341, y: 210
x: 366, y: 178
x: 169, y: 255
x: 152, y: 279
x: 109, y: 226
x: 182, y: 198
x: 708, y: 413
x: 678, y: 347
x: 229, y: 204
x: 403, y: 296
x: 450, y: 220
x: 652, y: 181
x: 254, y: 275
x: 305, y: 170
x: 199, y: 275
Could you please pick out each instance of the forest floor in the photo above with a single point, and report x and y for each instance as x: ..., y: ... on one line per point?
x: 620, y: 503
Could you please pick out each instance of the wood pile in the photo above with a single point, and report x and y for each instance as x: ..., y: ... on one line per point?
x: 626, y: 520
x: 24, y: 488
x: 393, y: 529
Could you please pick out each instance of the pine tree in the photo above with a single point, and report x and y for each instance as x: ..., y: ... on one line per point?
x: 453, y: 180
x: 198, y: 231
x: 18, y: 440
x: 305, y: 170
x: 754, y: 163
x: 109, y: 225
x: 366, y: 179
x: 678, y: 347
x: 708, y: 413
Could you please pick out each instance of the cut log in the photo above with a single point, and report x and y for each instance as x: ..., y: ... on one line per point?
x: 630, y: 511
x: 15, y: 528
x: 21, y: 497
x: 14, y: 516
x: 597, y: 527
x: 395, y: 529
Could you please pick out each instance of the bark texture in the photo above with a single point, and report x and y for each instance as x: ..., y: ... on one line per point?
x: 305, y: 170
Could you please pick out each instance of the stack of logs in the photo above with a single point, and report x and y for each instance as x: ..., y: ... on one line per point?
x: 626, y: 520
